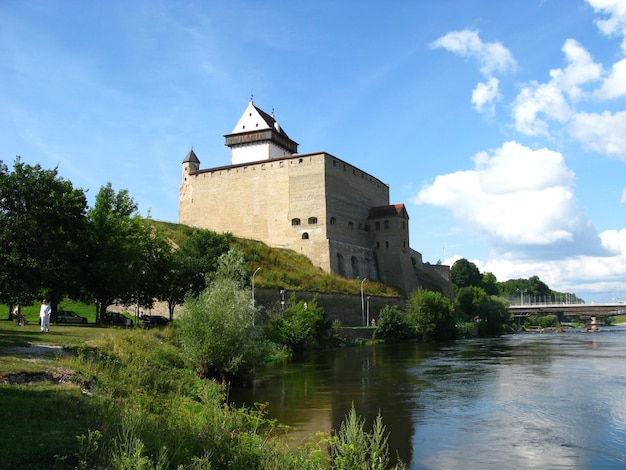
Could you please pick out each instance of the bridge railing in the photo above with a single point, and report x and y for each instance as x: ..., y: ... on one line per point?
x: 541, y: 300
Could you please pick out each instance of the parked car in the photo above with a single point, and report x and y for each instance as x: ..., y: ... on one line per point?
x: 67, y: 316
x: 155, y: 320
x: 115, y: 318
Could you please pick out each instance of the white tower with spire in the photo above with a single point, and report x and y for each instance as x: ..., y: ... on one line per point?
x: 257, y: 136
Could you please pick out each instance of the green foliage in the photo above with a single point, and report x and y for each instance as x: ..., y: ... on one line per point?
x: 393, y: 325
x: 430, y: 313
x: 464, y: 273
x: 493, y: 314
x: 120, y: 244
x: 468, y: 299
x: 303, y: 325
x: 544, y: 321
x: 354, y: 448
x: 219, y: 334
x: 42, y: 234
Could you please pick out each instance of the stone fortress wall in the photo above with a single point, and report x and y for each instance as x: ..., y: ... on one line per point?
x: 315, y: 204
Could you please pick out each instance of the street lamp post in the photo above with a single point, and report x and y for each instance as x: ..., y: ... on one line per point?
x: 362, y: 303
x: 254, y: 274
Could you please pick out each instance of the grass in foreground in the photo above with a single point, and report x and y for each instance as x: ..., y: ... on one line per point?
x: 125, y: 399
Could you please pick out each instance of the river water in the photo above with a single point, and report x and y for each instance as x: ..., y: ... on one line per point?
x: 530, y: 400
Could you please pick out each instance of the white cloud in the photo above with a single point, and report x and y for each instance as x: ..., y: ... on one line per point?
x: 485, y: 95
x: 520, y: 198
x: 601, y: 132
x: 614, y: 84
x: 615, y: 24
x: 623, y: 199
x: 491, y: 56
x: 552, y: 99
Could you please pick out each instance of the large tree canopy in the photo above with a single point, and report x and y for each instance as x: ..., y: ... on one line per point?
x: 464, y: 273
x: 42, y: 234
x: 120, y: 244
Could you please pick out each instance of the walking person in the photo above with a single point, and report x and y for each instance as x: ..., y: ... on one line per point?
x: 44, y: 315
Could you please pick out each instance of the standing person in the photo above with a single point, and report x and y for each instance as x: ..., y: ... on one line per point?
x: 44, y: 315
x: 15, y: 314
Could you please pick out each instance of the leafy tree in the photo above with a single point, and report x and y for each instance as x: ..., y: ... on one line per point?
x: 303, y: 325
x: 464, y: 273
x: 392, y: 324
x: 218, y: 331
x: 197, y: 257
x: 493, y: 313
x: 42, y: 234
x: 468, y: 299
x: 490, y: 283
x: 431, y: 315
x: 119, y: 242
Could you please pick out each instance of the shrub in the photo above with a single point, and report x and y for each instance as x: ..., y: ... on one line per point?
x: 392, y: 324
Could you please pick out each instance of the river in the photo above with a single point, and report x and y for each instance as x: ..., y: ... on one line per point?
x: 530, y: 400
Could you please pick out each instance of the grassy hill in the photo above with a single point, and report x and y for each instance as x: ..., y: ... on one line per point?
x: 286, y: 269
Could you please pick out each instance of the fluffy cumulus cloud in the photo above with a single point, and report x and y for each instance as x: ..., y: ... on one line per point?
x: 485, y: 95
x: 521, y: 199
x: 537, y: 103
x: 615, y: 24
x: 491, y: 57
x: 603, y: 132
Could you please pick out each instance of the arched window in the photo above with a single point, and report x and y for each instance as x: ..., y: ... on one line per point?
x: 295, y: 221
x: 305, y: 236
x: 355, y: 267
x: 333, y: 220
x: 312, y: 220
x: 341, y: 269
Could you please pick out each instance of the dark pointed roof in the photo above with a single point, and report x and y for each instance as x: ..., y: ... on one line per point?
x: 191, y: 157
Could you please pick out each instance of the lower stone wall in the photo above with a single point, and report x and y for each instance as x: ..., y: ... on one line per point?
x: 343, y: 307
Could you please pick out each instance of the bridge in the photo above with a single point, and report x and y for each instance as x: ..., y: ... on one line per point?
x: 586, y: 312
x: 569, y: 309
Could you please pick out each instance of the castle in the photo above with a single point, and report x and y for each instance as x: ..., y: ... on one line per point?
x: 316, y: 204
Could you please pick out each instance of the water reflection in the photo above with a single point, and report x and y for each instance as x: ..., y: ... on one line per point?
x: 528, y: 400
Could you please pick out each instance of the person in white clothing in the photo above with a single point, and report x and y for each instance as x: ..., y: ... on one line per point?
x: 44, y: 315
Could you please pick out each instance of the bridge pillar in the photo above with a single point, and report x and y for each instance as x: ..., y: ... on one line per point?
x: 594, y: 325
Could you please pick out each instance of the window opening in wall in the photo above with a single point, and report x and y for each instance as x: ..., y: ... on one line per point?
x: 350, y: 225
x: 295, y: 221
x: 377, y: 244
x: 333, y: 221
x: 386, y: 224
x: 299, y: 160
x: 344, y: 168
x: 305, y: 236
x: 377, y: 225
x: 312, y: 220
x: 355, y: 267
x: 341, y: 269
x: 353, y: 172
x: 386, y: 244
x: 360, y: 226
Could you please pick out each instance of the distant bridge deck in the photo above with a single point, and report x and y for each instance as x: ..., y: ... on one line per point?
x: 568, y: 309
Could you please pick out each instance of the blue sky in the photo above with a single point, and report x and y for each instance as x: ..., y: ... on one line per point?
x: 500, y: 125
